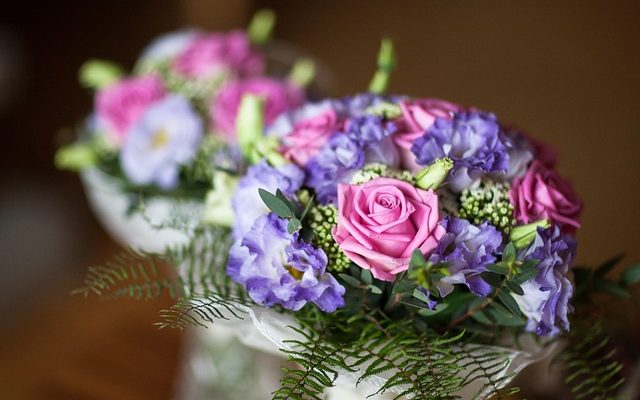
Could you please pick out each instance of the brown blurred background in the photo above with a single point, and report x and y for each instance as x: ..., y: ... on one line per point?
x: 566, y: 71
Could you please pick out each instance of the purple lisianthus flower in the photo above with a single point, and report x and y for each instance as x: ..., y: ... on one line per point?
x: 374, y: 136
x: 166, y: 137
x: 167, y: 46
x: 278, y: 268
x: 473, y: 140
x: 467, y: 249
x: 546, y: 297
x: 520, y: 155
x: 246, y: 202
x: 337, y: 162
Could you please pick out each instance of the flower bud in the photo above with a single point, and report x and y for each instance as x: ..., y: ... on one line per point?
x: 432, y: 176
x: 97, y: 74
x: 250, y: 123
x: 217, y: 208
x: 76, y: 157
x: 523, y: 235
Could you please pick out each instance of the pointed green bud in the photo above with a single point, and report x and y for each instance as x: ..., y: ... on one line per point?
x: 523, y: 235
x: 385, y: 110
x: 97, y: 74
x: 76, y: 157
x: 302, y: 73
x: 261, y: 26
x: 250, y: 123
x: 386, y: 64
x: 267, y: 147
x: 432, y: 176
x: 217, y: 208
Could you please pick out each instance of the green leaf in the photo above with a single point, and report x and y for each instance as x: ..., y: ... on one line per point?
x: 631, y: 275
x: 510, y: 303
x: 515, y: 288
x: 420, y: 295
x: 374, y: 289
x: 275, y: 204
x: 492, y: 278
x: 498, y: 269
x: 366, y: 277
x: 608, y: 265
x: 509, y: 253
x: 503, y: 316
x: 350, y: 280
x: 307, y: 207
x: 404, y: 286
x: 482, y: 317
x: 607, y: 286
x: 417, y: 259
x: 294, y: 225
x: 526, y: 273
x: 440, y: 307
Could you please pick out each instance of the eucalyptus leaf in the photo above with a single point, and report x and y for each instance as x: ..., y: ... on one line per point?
x: 417, y: 259
x: 608, y: 265
x: 440, y: 307
x: 503, y: 316
x: 350, y: 280
x: 607, y: 286
x: 374, y: 289
x: 275, y: 204
x: 420, y: 295
x: 294, y: 225
x: 366, y: 277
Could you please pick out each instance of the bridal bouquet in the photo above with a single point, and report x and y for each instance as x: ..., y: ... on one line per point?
x: 415, y: 242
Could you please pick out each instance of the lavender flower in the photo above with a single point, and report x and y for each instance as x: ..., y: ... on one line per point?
x: 278, y: 268
x: 472, y: 140
x: 166, y: 137
x: 467, y: 249
x: 546, y: 297
x: 337, y: 162
x: 374, y: 136
x: 246, y: 202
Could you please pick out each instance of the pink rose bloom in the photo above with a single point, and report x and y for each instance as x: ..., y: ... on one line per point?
x: 418, y: 116
x: 542, y: 194
x: 218, y: 52
x: 381, y: 223
x: 309, y: 136
x: 120, y: 105
x: 279, y: 96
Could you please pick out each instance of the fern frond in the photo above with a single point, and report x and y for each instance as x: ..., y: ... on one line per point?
x: 200, y: 268
x: 316, y: 360
x: 200, y: 310
x: 589, y: 360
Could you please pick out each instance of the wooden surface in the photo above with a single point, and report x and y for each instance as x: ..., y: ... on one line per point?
x: 71, y: 348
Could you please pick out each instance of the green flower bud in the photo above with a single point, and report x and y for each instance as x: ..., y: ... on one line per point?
x: 261, y: 26
x: 217, y: 208
x: 386, y: 64
x: 385, y: 110
x: 97, y: 74
x: 432, y: 176
x: 523, y: 235
x: 76, y: 157
x: 302, y: 73
x: 250, y: 124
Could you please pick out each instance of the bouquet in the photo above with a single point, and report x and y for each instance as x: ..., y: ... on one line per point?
x: 413, y: 246
x: 157, y: 137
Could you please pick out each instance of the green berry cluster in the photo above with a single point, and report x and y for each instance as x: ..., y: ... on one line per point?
x: 488, y: 202
x: 322, y: 219
x: 375, y: 170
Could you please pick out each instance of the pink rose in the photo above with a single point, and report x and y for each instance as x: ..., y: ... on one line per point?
x: 279, y: 97
x: 381, y: 222
x: 418, y: 116
x: 309, y: 136
x: 217, y: 52
x: 542, y: 194
x: 120, y: 105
